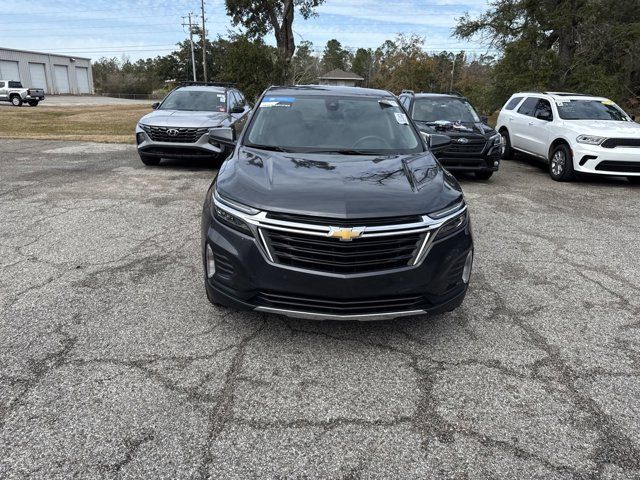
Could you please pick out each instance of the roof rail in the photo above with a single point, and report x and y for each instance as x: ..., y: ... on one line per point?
x: 206, y: 84
x: 453, y: 92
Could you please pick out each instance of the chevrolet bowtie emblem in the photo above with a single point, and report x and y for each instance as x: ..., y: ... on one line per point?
x: 345, y: 234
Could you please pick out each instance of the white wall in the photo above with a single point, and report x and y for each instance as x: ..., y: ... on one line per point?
x: 49, y: 60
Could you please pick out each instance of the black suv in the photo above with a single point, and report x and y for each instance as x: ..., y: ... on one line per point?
x: 475, y: 146
x: 331, y: 206
x: 179, y: 125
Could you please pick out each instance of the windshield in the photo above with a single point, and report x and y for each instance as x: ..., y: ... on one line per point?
x: 590, y: 110
x: 194, y: 101
x: 349, y: 125
x: 449, y: 109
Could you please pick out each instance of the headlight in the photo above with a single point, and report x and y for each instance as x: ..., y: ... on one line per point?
x: 452, y: 226
x: 590, y: 139
x: 230, y: 213
x: 495, y: 139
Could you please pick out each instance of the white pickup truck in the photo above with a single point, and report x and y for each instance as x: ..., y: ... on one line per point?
x: 13, y: 91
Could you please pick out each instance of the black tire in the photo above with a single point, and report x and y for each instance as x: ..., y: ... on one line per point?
x: 149, y: 161
x: 33, y: 103
x: 507, y: 151
x: 561, y: 164
x: 16, y: 101
x: 634, y: 180
x: 485, y: 175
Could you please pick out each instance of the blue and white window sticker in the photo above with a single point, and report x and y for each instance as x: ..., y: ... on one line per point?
x: 268, y: 102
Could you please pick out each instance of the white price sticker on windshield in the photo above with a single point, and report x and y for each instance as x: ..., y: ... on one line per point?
x: 221, y: 97
x: 401, y: 118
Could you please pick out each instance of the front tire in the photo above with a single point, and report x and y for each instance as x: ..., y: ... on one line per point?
x: 33, y: 103
x: 634, y: 180
x: 507, y: 150
x: 485, y: 175
x: 149, y: 161
x: 561, y: 164
x: 16, y: 101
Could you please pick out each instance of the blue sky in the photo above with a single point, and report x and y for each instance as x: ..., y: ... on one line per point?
x: 146, y: 28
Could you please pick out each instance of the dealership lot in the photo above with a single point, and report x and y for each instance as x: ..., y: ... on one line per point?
x: 113, y: 363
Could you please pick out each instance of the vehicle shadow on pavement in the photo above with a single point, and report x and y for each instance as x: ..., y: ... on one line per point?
x: 192, y: 165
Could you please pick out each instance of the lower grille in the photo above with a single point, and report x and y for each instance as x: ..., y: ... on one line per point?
x: 177, y: 152
x: 174, y: 134
x: 613, y: 166
x: 223, y: 266
x: 327, y: 254
x: 621, y: 142
x: 341, y: 307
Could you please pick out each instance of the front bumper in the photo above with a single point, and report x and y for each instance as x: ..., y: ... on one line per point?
x: 486, y: 161
x: 245, y: 280
x: 594, y: 159
x: 178, y: 150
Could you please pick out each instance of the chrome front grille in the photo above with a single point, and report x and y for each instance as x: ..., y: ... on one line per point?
x: 340, y: 247
x: 174, y: 134
x: 332, y: 255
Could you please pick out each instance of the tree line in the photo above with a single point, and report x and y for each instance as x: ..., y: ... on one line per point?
x: 590, y: 46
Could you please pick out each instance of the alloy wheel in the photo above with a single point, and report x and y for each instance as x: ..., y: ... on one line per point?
x: 558, y: 163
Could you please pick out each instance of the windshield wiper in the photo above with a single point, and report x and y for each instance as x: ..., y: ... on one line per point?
x: 345, y: 151
x: 272, y: 148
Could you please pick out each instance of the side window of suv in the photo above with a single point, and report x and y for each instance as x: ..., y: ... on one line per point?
x: 529, y: 107
x: 543, y: 110
x: 406, y: 102
x: 512, y: 103
x: 241, y: 100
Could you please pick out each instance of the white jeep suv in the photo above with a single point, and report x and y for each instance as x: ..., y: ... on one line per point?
x: 573, y: 133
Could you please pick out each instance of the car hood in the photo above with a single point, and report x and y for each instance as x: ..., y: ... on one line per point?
x: 604, y: 128
x: 338, y: 186
x: 458, y: 130
x: 182, y: 118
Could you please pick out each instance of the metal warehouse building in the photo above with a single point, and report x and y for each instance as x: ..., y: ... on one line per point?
x: 56, y: 74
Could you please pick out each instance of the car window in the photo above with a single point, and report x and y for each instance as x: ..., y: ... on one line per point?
x: 1, y: 84
x: 544, y: 106
x: 528, y: 107
x: 513, y: 103
x: 312, y: 123
x: 450, y: 109
x: 590, y: 110
x: 194, y: 101
x: 15, y: 84
x: 241, y: 99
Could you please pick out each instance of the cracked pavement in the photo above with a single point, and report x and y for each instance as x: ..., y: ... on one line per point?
x: 114, y: 365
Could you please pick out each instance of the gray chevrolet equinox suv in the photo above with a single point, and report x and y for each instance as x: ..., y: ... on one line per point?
x: 179, y: 125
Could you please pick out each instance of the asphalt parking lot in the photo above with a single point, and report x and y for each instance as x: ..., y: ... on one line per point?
x: 114, y: 365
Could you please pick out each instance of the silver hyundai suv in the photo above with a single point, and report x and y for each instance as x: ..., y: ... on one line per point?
x: 179, y: 125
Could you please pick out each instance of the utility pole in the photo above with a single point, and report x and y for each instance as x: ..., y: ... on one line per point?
x: 453, y: 71
x: 193, y: 55
x: 204, y: 43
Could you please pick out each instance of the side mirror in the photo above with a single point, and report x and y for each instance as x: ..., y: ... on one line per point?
x: 544, y: 115
x: 237, y: 109
x: 155, y: 105
x: 484, y: 119
x: 223, y: 136
x: 437, y: 142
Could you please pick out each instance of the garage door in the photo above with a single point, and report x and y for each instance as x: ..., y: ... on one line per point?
x: 9, y: 70
x: 62, y: 78
x: 38, y: 77
x: 82, y: 75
